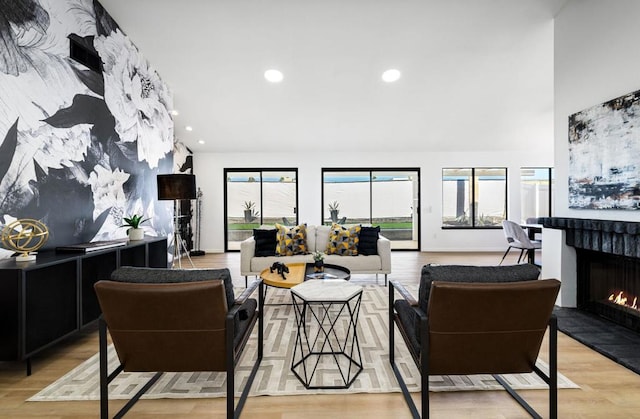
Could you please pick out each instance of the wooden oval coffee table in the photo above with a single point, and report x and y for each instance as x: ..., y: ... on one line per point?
x: 300, y: 272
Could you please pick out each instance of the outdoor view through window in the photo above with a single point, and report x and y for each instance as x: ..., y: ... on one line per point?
x: 256, y: 197
x: 388, y: 198
x: 474, y: 197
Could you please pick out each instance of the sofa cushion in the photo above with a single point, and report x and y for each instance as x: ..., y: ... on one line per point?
x: 322, y: 237
x: 368, y: 244
x: 291, y: 241
x: 311, y: 238
x: 359, y: 263
x: 410, y: 322
x: 343, y: 241
x: 265, y: 242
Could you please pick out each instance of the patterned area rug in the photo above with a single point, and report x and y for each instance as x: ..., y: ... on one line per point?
x: 274, y: 377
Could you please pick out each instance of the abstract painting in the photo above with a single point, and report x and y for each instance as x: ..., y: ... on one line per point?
x: 604, y: 155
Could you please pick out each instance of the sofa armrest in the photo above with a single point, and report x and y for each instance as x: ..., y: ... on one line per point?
x: 247, y: 251
x: 384, y: 251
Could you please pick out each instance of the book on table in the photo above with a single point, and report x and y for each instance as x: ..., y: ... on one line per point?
x: 92, y: 246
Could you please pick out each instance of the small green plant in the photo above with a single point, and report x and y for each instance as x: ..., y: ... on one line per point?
x: 134, y: 221
x: 318, y: 256
x: 333, y: 206
x: 249, y: 205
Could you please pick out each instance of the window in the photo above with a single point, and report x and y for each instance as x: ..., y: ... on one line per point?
x: 535, y: 192
x: 388, y: 198
x: 474, y: 197
x: 258, y: 196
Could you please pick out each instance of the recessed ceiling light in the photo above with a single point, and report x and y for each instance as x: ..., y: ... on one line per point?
x: 200, y: 141
x: 175, y: 112
x: 391, y: 75
x: 274, y: 76
x: 189, y: 128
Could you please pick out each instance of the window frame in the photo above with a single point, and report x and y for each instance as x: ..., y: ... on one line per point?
x: 550, y: 178
x: 371, y: 171
x: 261, y: 170
x: 472, y: 206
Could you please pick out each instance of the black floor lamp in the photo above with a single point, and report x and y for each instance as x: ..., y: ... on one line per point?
x: 177, y: 187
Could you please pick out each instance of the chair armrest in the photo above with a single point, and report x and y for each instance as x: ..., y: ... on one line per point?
x: 247, y: 292
x: 404, y: 293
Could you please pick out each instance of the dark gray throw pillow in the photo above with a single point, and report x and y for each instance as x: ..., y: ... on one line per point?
x: 266, y: 242
x: 368, y: 244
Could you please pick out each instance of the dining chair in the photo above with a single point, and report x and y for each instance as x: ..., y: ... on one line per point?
x: 517, y: 238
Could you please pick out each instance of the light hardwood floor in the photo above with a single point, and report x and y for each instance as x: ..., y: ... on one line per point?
x: 607, y: 389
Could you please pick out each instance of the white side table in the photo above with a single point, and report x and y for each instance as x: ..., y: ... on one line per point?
x: 327, y: 347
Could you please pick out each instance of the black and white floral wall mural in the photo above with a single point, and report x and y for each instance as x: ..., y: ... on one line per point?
x: 79, y: 148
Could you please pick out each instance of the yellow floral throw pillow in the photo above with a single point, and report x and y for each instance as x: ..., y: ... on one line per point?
x: 343, y: 241
x: 291, y: 241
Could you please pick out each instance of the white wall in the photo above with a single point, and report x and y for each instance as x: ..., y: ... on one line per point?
x: 208, y: 168
x: 597, y: 58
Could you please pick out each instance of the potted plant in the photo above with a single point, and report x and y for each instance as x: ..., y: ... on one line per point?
x: 333, y: 211
x: 249, y: 211
x: 134, y: 232
x: 318, y: 262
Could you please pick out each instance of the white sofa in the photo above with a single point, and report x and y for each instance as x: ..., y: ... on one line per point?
x: 317, y: 240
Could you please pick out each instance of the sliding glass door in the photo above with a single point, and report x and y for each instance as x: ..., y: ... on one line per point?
x: 388, y: 198
x: 258, y: 196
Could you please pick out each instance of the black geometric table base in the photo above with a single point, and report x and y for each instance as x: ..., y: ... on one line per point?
x: 327, y: 346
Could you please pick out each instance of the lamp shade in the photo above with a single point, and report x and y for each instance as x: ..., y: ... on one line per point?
x: 176, y: 186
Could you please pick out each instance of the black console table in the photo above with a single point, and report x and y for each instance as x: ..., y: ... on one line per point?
x: 51, y: 298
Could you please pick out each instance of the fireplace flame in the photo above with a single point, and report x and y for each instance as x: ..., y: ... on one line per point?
x: 622, y: 299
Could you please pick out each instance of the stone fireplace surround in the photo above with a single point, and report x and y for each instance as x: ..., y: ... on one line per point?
x: 607, y: 262
x: 620, y: 238
x: 586, y: 254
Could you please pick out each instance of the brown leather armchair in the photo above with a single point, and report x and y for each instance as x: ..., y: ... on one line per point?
x: 176, y: 326
x: 470, y: 328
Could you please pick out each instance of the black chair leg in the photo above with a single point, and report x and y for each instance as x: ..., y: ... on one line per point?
x: 233, y: 410
x: 104, y: 381
x: 505, y: 255
x: 553, y: 367
x: 424, y: 365
x: 551, y: 379
x: 230, y: 361
x: 391, y: 325
x: 396, y: 371
x: 106, y: 378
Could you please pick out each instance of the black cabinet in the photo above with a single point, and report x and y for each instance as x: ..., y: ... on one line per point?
x: 44, y: 301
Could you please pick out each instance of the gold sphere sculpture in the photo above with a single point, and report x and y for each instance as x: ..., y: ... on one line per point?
x: 24, y: 236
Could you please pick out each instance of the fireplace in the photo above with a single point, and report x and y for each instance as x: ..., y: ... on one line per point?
x: 608, y: 267
x: 609, y: 285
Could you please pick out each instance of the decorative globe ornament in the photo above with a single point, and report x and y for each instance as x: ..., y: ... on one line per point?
x: 24, y: 236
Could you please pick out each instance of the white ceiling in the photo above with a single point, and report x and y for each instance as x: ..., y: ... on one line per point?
x: 476, y: 74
